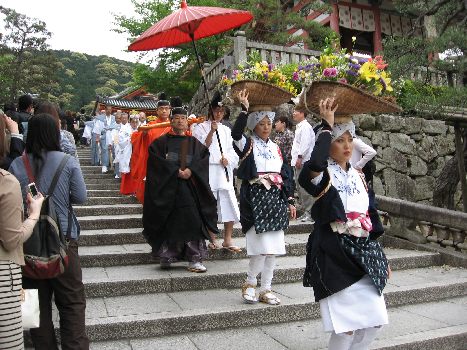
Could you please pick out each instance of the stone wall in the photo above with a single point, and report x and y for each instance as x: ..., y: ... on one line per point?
x: 411, y: 154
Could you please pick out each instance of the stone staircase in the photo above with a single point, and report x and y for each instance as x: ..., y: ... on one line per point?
x: 133, y: 304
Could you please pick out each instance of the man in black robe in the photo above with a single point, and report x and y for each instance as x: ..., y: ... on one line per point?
x: 179, y: 207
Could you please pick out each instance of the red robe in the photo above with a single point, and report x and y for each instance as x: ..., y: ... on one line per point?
x: 140, y: 141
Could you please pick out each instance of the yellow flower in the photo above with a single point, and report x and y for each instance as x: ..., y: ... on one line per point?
x: 387, y: 81
x: 368, y: 71
x: 326, y: 61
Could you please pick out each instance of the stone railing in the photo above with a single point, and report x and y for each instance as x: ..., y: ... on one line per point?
x: 436, y: 77
x: 421, y: 223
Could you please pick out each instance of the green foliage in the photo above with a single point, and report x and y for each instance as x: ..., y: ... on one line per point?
x: 175, y: 70
x: 25, y: 63
x: 89, y: 75
x: 416, y: 96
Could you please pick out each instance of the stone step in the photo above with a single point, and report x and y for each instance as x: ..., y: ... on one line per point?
x: 108, y: 178
x: 112, y: 222
x: 91, y: 169
x: 418, y: 326
x: 110, y: 200
x: 104, y: 185
x: 161, y: 314
x: 103, y: 192
x: 108, y: 209
x: 98, y: 176
x: 222, y: 273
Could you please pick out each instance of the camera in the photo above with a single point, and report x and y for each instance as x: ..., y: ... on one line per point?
x: 33, y: 189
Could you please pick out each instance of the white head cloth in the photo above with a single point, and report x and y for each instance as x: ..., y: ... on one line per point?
x: 339, y: 129
x: 255, y: 117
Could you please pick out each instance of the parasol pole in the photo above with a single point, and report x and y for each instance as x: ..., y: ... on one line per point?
x: 203, y: 78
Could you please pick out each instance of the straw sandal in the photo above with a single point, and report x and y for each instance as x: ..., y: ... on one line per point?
x: 268, y: 298
x: 249, y: 293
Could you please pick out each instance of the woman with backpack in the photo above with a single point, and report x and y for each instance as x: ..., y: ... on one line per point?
x: 44, y: 156
x: 13, y: 232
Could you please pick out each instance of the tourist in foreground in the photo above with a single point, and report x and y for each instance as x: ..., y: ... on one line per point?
x: 345, y: 264
x: 67, y: 289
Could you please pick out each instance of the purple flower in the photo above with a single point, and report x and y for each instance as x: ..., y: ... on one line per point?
x: 295, y: 76
x: 355, y: 66
x: 352, y: 73
x: 266, y: 75
x: 300, y: 68
x: 270, y: 66
x: 330, y: 72
x: 360, y: 60
x: 383, y: 83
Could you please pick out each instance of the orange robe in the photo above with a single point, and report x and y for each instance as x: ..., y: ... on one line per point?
x: 141, y: 140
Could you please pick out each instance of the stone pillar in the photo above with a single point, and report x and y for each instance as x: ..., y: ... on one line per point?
x: 240, y: 55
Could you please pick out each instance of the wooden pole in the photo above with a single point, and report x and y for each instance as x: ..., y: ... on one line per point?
x: 460, y: 163
x: 377, y: 37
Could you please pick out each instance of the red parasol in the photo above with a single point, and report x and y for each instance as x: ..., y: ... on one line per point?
x: 190, y: 24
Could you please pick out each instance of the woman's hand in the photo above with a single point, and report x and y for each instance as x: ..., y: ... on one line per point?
x: 11, y: 125
x: 293, y: 211
x: 214, y: 126
x: 243, y: 98
x: 224, y: 161
x: 326, y: 111
x: 34, y: 205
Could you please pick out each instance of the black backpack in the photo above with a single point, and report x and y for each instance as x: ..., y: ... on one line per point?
x: 45, y: 252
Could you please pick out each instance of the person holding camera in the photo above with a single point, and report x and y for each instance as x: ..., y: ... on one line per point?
x: 13, y: 233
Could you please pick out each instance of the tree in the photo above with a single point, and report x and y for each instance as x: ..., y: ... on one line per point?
x: 26, y: 65
x: 175, y: 70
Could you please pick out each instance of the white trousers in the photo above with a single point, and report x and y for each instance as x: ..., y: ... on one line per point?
x: 359, y: 340
x: 263, y: 264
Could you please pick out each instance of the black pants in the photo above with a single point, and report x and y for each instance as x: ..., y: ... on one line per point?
x: 68, y: 291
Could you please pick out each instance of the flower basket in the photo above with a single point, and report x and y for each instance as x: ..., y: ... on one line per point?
x: 351, y: 100
x: 263, y: 96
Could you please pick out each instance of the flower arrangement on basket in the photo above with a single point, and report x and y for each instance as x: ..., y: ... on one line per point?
x: 360, y: 85
x: 367, y: 74
x: 255, y: 69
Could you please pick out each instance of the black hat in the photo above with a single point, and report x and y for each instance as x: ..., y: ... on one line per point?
x: 216, y: 100
x: 162, y: 100
x: 177, y: 106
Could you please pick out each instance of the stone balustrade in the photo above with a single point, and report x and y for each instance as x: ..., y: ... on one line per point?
x: 421, y: 223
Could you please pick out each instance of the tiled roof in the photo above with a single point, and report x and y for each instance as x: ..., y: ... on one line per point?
x: 128, y: 104
x: 125, y: 92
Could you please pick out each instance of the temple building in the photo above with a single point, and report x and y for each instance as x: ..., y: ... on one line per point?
x: 367, y: 20
x: 130, y: 99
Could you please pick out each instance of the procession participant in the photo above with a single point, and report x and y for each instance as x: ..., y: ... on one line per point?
x: 95, y: 146
x: 103, y: 129
x: 141, y: 140
x: 179, y: 208
x: 302, y: 146
x: 128, y: 185
x: 221, y: 186
x: 264, y: 197
x: 142, y: 118
x: 345, y: 265
x: 118, y: 122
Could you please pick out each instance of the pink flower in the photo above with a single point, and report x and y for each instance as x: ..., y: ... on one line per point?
x: 295, y: 76
x: 342, y: 80
x: 330, y: 72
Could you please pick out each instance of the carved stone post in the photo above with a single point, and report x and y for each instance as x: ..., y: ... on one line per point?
x: 240, y: 54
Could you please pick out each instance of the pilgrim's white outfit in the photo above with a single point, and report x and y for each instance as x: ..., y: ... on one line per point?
x: 223, y: 190
x: 123, y: 148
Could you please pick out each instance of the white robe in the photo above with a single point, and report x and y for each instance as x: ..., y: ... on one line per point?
x: 123, y: 148
x: 222, y: 189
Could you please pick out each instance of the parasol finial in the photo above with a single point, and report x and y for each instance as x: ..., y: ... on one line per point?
x: 183, y: 5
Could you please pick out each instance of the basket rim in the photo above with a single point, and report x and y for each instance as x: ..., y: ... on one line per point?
x: 261, y: 82
x: 356, y: 90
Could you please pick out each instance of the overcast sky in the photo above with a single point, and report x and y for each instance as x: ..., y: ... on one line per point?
x: 79, y: 25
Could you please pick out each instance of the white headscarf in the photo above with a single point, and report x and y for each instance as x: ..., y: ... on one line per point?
x: 255, y: 117
x: 339, y: 129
